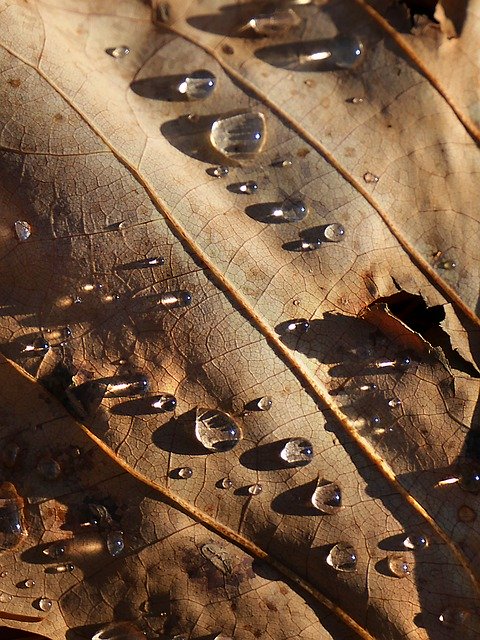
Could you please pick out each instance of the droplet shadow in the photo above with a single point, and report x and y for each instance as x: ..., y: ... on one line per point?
x: 138, y: 407
x: 178, y: 435
x: 266, y: 457
x: 160, y: 88
x: 191, y: 137
x: 296, y: 501
x: 263, y: 212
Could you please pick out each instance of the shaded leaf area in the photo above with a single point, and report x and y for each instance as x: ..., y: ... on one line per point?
x: 173, y: 576
x: 109, y: 175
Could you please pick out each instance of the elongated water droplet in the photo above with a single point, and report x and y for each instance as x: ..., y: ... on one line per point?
x: 49, y: 468
x: 126, y: 386
x: 327, y: 497
x: 45, y: 604
x: 273, y: 23
x: 247, y: 188
x: 265, y: 403
x: 355, y: 100
x: 216, y: 430
x: 61, y: 568
x: 416, y: 542
x: 175, y: 299
x: 240, y: 135
x: 454, y: 617
x: 402, y: 362
x: 309, y: 245
x: 297, y: 327
x: 56, y: 550
x: 119, y: 631
x: 370, y: 178
x: 290, y: 210
x: 115, y: 543
x: 226, y: 483
x: 118, y: 52
x: 368, y: 388
x: 255, y: 489
x: 297, y: 451
x: 218, y: 172
x: 100, y: 516
x: 28, y: 583
x: 164, y: 402
x: 23, y: 230
x: 398, y: 566
x: 197, y: 85
x: 341, y: 52
x: 38, y: 347
x: 342, y: 557
x: 448, y: 265
x: 12, y: 520
x: 334, y: 232
x: 185, y: 473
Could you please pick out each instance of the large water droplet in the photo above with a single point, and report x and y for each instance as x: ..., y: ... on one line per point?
x: 197, y: 85
x: 12, y: 520
x: 23, y: 230
x: 175, y: 299
x: 454, y: 617
x: 370, y: 178
x: 398, y: 566
x: 416, y: 542
x: 290, y: 210
x: 327, y: 497
x: 273, y: 23
x: 115, y: 543
x: 342, y: 52
x: 44, y: 604
x: 226, y: 483
x: 124, y: 386
x: 297, y: 451
x: 118, y: 52
x: 216, y: 430
x: 401, y: 362
x: 342, y: 557
x: 28, y: 583
x: 334, y: 232
x: 240, y: 135
x: 57, y: 549
x: 163, y: 402
x: 264, y: 403
x: 99, y: 516
x: 119, y: 631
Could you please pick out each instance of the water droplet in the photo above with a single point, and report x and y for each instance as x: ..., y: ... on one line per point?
x: 394, y: 402
x: 100, y: 516
x: 355, y: 100
x: 110, y: 297
x: 38, y: 347
x: 469, y: 478
x: 342, y: 557
x: 222, y: 636
x: 185, y: 473
x: 157, y: 261
x: 9, y: 454
x: 89, y: 287
x: 265, y: 403
x: 309, y: 245
x: 289, y: 210
x: 118, y: 52
x: 28, y: 583
x: 398, y: 566
x: 198, y: 85
x: 119, y: 631
x: 370, y: 178
x: 218, y: 172
x: 45, y: 604
x: 255, y: 489
x: 216, y: 430
x: 297, y: 451
x: 5, y: 597
x: 297, y: 327
x: 23, y: 230
x: 402, y: 362
x: 282, y: 163
x: 56, y: 550
x: 448, y: 265
x: 273, y: 23
x: 454, y: 617
x: 49, y: 468
x: 368, y: 388
x: 327, y: 497
x: 375, y: 421
x: 3, y: 574
x: 334, y: 232
x: 239, y: 135
x: 115, y: 543
x: 61, y: 334
x: 174, y: 299
x: 126, y: 386
x: 164, y: 402
x: 248, y: 187
x: 61, y: 568
x: 415, y: 542
x: 226, y: 483
x: 341, y: 52
x: 12, y: 521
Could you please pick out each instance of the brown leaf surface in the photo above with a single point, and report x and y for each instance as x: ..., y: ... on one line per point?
x: 107, y: 175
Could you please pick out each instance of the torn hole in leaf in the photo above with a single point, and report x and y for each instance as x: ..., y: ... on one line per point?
x: 406, y: 318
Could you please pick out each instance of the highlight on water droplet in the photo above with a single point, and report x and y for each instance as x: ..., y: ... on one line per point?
x: 370, y: 178
x: 28, y: 583
x: 118, y: 52
x: 416, y: 542
x: 264, y: 403
x: 226, y: 483
x: 185, y: 473
x: 393, y: 403
x: 290, y: 210
x: 125, y: 386
x: 248, y: 188
x: 38, y: 347
x: 216, y: 430
x: 255, y: 489
x: 44, y: 604
x: 402, y: 362
x: 175, y: 299
x: 163, y: 402
x: 297, y: 451
x: 398, y: 566
x: 327, y: 497
x: 56, y: 550
x: 355, y: 100
x: 273, y: 23
x: 239, y: 135
x: 282, y: 163
x: 68, y: 567
x: 218, y: 172
x: 297, y: 327
x: 342, y: 557
x: 115, y: 543
x: 334, y: 232
x: 23, y: 230
x: 119, y: 631
x: 12, y: 518
x: 197, y: 85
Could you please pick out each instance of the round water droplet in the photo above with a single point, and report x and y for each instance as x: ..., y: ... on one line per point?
x: 274, y: 23
x: 3, y: 574
x: 175, y: 299
x: 297, y: 327
x: 118, y: 52
x: 297, y: 451
x: 197, y: 85
x: 23, y: 230
x: 226, y: 483
x: 327, y: 497
x: 248, y: 187
x: 28, y: 583
x: 454, y: 617
x: 342, y: 557
x: 370, y: 178
x: 415, y: 542
x: 115, y: 543
x: 334, y: 232
x: 282, y: 163
x: 239, y: 135
x: 119, y: 631
x: 216, y: 430
x: 185, y: 473
x: 218, y: 172
x: 255, y: 489
x: 448, y: 265
x: 125, y: 386
x: 45, y: 604
x: 49, y: 469
x: 398, y: 566
x: 5, y: 597
x: 264, y: 403
x: 12, y: 520
x: 469, y: 478
x: 164, y: 402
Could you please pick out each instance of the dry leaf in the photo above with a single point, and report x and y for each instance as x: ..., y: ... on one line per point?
x: 129, y: 267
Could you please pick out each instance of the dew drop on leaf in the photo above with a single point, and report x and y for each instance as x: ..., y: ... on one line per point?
x: 185, y: 473
x: 119, y: 631
x: 61, y: 568
x: 370, y: 178
x: 197, y: 85
x: 448, y: 265
x: 342, y: 557
x: 415, y: 542
x: 44, y: 604
x: 327, y: 497
x: 273, y: 23
x: 115, y: 543
x: 163, y: 402
x: 5, y: 597
x: 38, y: 347
x: 394, y: 402
x: 249, y: 187
x: 216, y: 430
x: 255, y: 489
x: 297, y: 451
x: 309, y: 245
x: 239, y: 135
x: 12, y: 520
x: 124, y: 386
x: 264, y: 403
x: 56, y: 550
x: 469, y: 478
x: 175, y: 299
x: 226, y: 483
x: 218, y: 172
x: 334, y: 232
x: 28, y: 583
x: 23, y: 230
x: 287, y: 211
x: 118, y: 52
x: 398, y: 566
x: 454, y: 617
x: 297, y: 327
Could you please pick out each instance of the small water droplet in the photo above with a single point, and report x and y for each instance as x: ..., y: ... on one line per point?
x: 12, y: 521
x: 342, y: 557
x: 115, y: 543
x: 108, y: 298
x: 175, y: 299
x: 416, y: 542
x: 226, y: 483
x: 274, y: 23
x: 368, y: 388
x: 218, y: 172
x: 118, y: 52
x: 334, y: 232
x: 454, y: 617
x: 56, y: 550
x: 49, y: 468
x: 249, y: 187
x: 402, y: 362
x: 370, y: 178
x: 355, y: 100
x: 45, y: 604
x: 327, y: 497
x: 197, y: 85
x: 309, y: 245
x: 255, y: 489
x: 341, y: 52
x: 9, y: 454
x: 89, y: 287
x: 375, y: 421
x: 185, y: 473
x: 297, y: 451
x: 297, y: 327
x: 239, y: 135
x: 394, y: 402
x: 100, y: 516
x: 282, y: 163
x: 5, y: 597
x: 216, y: 430
x: 164, y: 402
x: 290, y: 210
x: 126, y: 386
x: 448, y: 265
x: 119, y: 631
x: 469, y: 478
x: 398, y: 566
x: 38, y: 347
x: 264, y: 403
x: 61, y: 568
x: 23, y: 230
x: 28, y: 583
x: 3, y: 574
